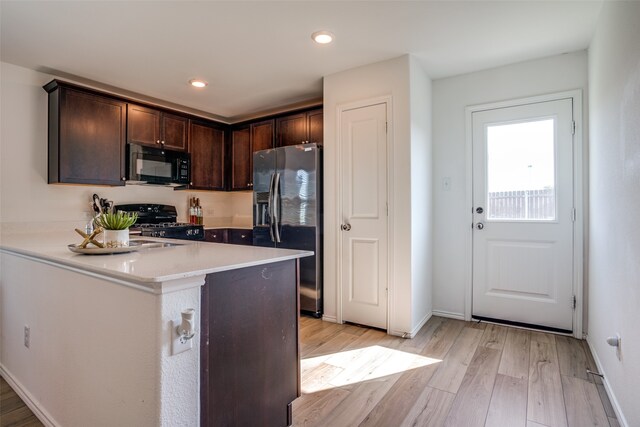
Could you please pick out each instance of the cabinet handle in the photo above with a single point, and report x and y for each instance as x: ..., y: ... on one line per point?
x: 242, y: 236
x: 191, y: 183
x: 162, y: 142
x: 124, y: 178
x: 158, y: 142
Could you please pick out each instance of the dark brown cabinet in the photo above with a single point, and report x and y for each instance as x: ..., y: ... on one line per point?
x: 300, y: 128
x: 86, y: 137
x: 154, y: 128
x: 89, y: 129
x: 219, y: 235
x: 238, y: 236
x: 207, y: 156
x: 249, y: 349
x: 245, y: 141
x: 241, y: 171
x: 315, y: 125
x: 234, y: 236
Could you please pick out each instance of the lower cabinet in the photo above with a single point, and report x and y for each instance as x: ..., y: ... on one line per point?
x: 249, y: 351
x: 234, y: 236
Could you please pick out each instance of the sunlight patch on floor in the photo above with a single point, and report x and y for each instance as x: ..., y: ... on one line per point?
x: 353, y: 366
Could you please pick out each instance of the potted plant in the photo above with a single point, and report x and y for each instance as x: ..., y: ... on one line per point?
x: 116, y: 227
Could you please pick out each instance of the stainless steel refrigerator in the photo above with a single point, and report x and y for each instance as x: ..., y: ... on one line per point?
x: 287, y: 211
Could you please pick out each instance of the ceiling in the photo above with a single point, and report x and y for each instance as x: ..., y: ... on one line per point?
x: 259, y: 55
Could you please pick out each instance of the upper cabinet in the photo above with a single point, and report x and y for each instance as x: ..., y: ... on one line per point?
x: 207, y: 155
x: 246, y: 140
x: 89, y: 130
x: 300, y: 128
x: 315, y: 125
x: 241, y: 158
x: 86, y: 137
x: 155, y: 128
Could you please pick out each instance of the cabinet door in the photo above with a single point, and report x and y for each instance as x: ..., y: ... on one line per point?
x: 262, y: 134
x: 216, y: 236
x: 239, y: 236
x: 249, y: 354
x: 143, y: 125
x: 314, y: 124
x: 89, y: 145
x: 291, y: 130
x: 207, y: 156
x: 174, y: 132
x: 241, y: 159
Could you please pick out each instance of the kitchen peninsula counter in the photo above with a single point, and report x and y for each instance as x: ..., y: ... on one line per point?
x: 147, y: 268
x: 101, y: 342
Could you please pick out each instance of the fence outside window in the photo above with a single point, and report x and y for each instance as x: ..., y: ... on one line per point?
x: 522, y: 204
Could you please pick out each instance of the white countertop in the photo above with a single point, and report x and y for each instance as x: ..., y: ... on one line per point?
x: 148, y: 267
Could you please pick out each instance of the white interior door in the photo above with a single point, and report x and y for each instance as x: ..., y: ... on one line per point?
x: 363, y: 139
x: 523, y: 214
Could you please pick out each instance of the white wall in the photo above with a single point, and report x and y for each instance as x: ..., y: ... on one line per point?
x: 614, y: 259
x: 99, y: 352
x: 26, y: 197
x: 421, y: 194
x: 451, y: 210
x: 387, y: 78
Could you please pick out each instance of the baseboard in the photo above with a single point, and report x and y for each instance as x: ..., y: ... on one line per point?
x: 331, y: 319
x: 448, y: 314
x: 414, y: 331
x: 612, y: 397
x: 44, y: 417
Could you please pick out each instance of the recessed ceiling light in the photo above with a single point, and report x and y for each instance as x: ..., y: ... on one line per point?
x: 322, y: 37
x: 198, y: 83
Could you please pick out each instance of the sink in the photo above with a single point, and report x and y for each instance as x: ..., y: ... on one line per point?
x: 154, y: 244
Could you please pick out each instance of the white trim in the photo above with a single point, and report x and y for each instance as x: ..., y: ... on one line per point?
x: 28, y: 399
x: 612, y: 397
x: 448, y: 314
x: 341, y: 108
x: 578, y: 196
x: 414, y: 331
x: 330, y: 319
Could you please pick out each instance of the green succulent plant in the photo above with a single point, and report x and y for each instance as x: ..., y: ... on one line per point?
x: 116, y: 221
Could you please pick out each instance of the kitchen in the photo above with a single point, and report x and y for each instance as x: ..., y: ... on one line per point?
x: 426, y: 280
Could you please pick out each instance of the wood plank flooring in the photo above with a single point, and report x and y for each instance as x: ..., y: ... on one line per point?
x: 452, y: 373
x: 13, y: 411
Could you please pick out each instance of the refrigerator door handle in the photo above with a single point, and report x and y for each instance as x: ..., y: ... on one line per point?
x: 276, y: 207
x: 270, y: 208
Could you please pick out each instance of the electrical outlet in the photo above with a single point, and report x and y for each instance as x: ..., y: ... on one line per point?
x: 27, y: 336
x: 178, y: 346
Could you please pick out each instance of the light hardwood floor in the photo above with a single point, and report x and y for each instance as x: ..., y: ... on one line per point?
x: 452, y: 373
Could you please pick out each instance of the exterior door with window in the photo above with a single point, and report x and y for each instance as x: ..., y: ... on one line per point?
x: 523, y: 212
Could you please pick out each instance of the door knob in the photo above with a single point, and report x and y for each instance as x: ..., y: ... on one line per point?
x: 479, y: 210
x: 479, y: 226
x: 345, y: 227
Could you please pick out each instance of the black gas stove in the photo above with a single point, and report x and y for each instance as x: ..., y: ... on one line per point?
x: 160, y: 221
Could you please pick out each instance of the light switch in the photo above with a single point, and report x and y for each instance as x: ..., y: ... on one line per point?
x: 446, y: 183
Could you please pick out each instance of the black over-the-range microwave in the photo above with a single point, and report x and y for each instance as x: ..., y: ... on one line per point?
x: 148, y: 165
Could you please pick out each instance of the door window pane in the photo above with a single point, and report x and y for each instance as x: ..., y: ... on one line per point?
x: 521, y: 171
